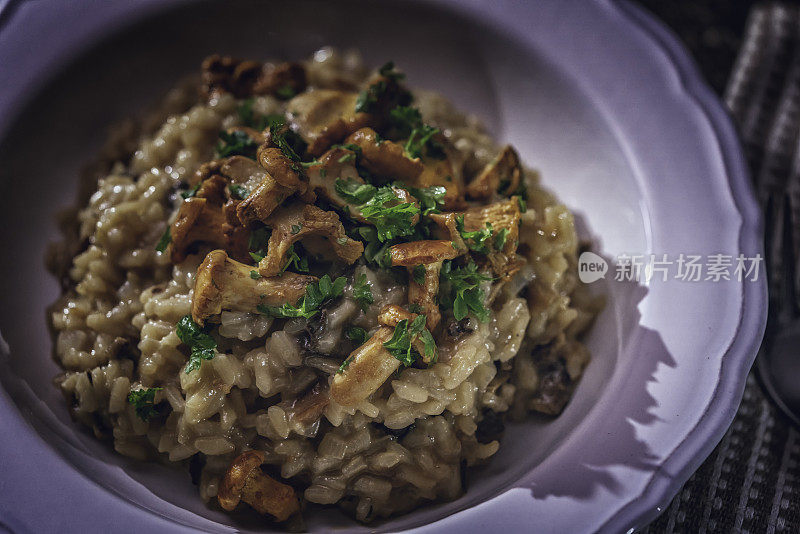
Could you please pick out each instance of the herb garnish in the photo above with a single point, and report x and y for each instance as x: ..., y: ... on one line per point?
x: 249, y: 118
x: 400, y: 346
x: 255, y: 275
x: 238, y: 191
x: 418, y: 274
x: 308, y: 306
x: 500, y: 238
x: 362, y: 292
x: 202, y: 345
x: 300, y: 264
x: 143, y: 401
x: 257, y: 244
x: 287, y: 140
x: 236, y: 143
x: 165, y: 240
x: 189, y: 193
x: 369, y: 97
x: 477, y: 240
x: 430, y: 198
x: 465, y: 294
x: 390, y: 220
x: 356, y: 334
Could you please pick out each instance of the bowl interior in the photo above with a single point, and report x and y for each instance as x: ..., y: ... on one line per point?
x: 521, y: 96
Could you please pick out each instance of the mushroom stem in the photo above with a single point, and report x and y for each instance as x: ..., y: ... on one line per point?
x: 268, y: 496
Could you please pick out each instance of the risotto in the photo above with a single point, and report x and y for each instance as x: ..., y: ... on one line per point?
x: 313, y: 285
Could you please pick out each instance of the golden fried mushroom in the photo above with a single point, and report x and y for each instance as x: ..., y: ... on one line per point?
x: 225, y: 284
x: 324, y: 117
x: 247, y: 78
x: 504, y: 216
x: 321, y: 232
x: 424, y: 295
x: 392, y: 314
x: 365, y: 370
x: 422, y: 252
x: 504, y: 170
x: 201, y: 219
x: 385, y: 158
x: 282, y: 179
x: 245, y: 481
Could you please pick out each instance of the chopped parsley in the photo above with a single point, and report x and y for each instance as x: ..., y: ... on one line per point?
x: 500, y: 238
x: 430, y: 198
x: 418, y: 274
x: 165, y: 240
x: 354, y: 192
x: 523, y: 206
x: 238, y: 191
x: 390, y: 220
x: 362, y: 292
x: 375, y: 251
x: 477, y: 240
x: 236, y: 143
x: 345, y: 365
x: 356, y: 334
x: 295, y: 261
x: 296, y: 228
x: 408, y: 122
x: 251, y: 119
x: 255, y: 275
x: 464, y: 293
x: 202, y: 345
x: 286, y: 92
x: 288, y: 141
x: 400, y: 346
x: 368, y: 99
x: 308, y: 306
x: 257, y: 244
x: 143, y: 401
x: 189, y: 193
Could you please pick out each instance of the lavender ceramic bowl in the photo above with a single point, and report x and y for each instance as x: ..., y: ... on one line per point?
x: 595, y: 94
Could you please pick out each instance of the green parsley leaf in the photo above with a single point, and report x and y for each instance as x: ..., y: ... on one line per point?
x: 286, y: 92
x: 418, y: 274
x: 430, y: 198
x: 296, y: 228
x: 354, y: 192
x: 375, y: 251
x: 190, y: 192
x: 421, y: 141
x: 388, y: 70
x: 300, y: 264
x: 477, y: 240
x: 345, y: 364
x: 202, y: 345
x: 255, y: 275
x: 238, y: 191
x: 463, y: 292
x: 390, y: 221
x: 362, y: 292
x: 288, y: 141
x: 166, y: 239
x: 500, y: 238
x: 400, y: 346
x: 249, y: 118
x: 523, y: 206
x: 308, y: 306
x: 257, y: 243
x: 405, y: 119
x: 356, y: 334
x: 143, y: 401
x: 236, y: 143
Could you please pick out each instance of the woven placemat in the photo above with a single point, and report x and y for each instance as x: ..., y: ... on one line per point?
x: 751, y: 482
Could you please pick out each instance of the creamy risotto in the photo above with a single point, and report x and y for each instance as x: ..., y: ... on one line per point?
x: 312, y: 285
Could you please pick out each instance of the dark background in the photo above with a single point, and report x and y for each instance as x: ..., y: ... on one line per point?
x: 711, y: 29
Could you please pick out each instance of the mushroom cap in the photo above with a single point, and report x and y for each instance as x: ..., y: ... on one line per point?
x: 230, y: 489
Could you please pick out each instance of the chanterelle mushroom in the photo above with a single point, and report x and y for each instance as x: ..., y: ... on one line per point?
x: 503, y: 172
x: 324, y: 117
x: 201, y: 219
x: 504, y: 216
x: 392, y: 314
x: 421, y: 252
x: 246, y: 78
x: 245, y: 481
x: 365, y: 370
x: 225, y: 284
x: 321, y: 231
x: 282, y: 179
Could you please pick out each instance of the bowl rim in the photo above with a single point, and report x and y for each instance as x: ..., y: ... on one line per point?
x: 682, y: 462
